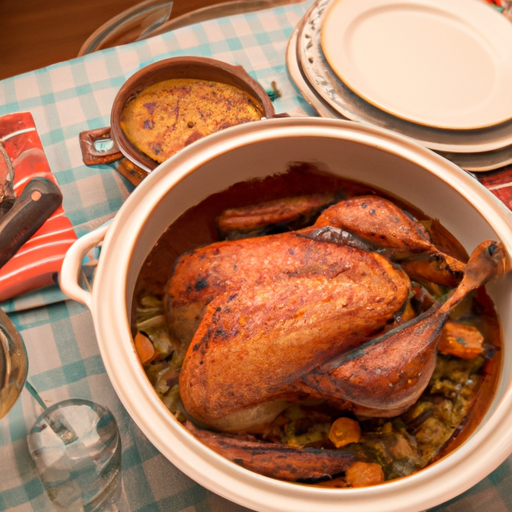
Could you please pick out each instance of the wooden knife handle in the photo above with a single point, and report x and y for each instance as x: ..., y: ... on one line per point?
x: 39, y: 199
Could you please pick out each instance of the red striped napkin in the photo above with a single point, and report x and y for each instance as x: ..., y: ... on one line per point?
x: 39, y: 260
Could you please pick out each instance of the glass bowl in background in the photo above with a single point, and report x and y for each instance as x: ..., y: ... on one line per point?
x: 131, y: 25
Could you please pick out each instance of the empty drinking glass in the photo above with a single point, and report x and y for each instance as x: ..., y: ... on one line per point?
x: 76, y: 447
x: 75, y: 444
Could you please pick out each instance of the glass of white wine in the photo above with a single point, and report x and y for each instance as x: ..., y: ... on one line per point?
x: 75, y: 444
x: 13, y: 364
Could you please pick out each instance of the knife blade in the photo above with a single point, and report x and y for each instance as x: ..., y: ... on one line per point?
x: 38, y: 201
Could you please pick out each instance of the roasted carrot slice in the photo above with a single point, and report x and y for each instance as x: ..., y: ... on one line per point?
x: 144, y: 347
x: 364, y: 474
x: 344, y: 431
x: 461, y: 340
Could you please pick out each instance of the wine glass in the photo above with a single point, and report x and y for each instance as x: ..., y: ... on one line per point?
x: 13, y: 364
x: 75, y: 444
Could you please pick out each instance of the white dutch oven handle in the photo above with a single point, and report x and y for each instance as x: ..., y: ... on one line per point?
x: 72, y: 265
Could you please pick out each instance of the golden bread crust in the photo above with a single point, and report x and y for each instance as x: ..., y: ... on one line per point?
x: 167, y: 116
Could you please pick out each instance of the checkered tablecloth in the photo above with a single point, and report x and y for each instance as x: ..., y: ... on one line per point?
x: 66, y: 99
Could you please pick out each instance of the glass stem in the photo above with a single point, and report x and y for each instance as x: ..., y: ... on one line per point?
x: 35, y: 394
x: 64, y: 431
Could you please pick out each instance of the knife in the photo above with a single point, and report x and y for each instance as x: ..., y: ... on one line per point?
x: 7, y: 196
x: 21, y: 217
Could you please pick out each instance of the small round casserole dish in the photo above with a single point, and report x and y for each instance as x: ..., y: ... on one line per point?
x: 105, y: 145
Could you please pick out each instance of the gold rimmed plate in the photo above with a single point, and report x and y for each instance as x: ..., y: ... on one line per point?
x: 470, y: 161
x: 321, y: 83
x: 430, y: 62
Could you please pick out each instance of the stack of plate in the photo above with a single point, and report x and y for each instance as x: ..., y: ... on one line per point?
x: 437, y: 71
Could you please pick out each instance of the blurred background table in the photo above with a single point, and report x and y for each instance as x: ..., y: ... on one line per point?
x: 36, y: 33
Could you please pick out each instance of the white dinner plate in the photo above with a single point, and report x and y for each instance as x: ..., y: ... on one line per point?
x: 473, y: 162
x: 441, y: 63
x: 322, y: 83
x: 297, y: 75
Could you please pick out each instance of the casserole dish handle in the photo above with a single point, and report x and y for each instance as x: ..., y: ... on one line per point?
x: 69, y: 278
x: 98, y: 147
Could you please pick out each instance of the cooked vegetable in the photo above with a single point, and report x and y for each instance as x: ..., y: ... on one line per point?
x: 344, y: 431
x: 461, y: 340
x: 363, y: 474
x: 144, y: 347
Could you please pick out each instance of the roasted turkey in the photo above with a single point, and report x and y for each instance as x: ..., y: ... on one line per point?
x: 315, y: 313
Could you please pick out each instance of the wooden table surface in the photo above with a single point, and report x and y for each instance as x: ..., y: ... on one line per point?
x: 37, y: 33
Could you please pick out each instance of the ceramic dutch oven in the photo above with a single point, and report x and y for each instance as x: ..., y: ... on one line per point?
x: 362, y: 153
x: 176, y: 67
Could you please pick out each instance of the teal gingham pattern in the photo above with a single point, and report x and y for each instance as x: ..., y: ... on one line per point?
x: 68, y: 98
x: 77, y: 95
